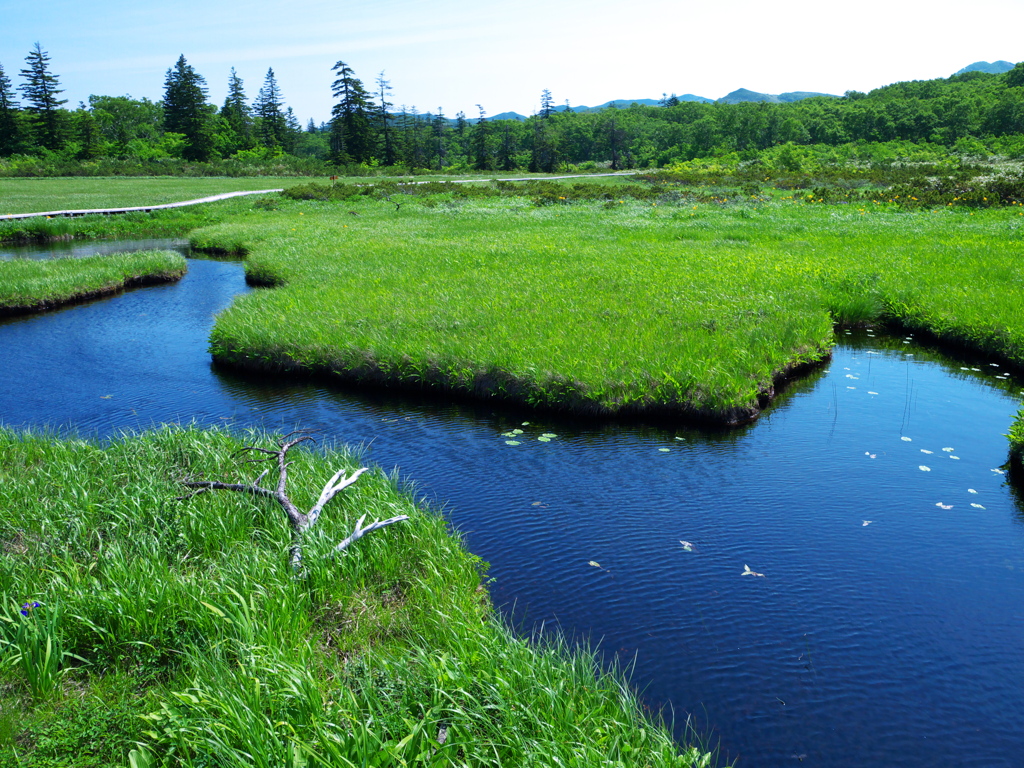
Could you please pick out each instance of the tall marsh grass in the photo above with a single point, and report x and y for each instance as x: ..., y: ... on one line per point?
x: 28, y: 284
x: 692, y: 308
x: 174, y: 632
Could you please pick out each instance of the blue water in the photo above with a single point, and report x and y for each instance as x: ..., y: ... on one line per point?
x: 886, y: 630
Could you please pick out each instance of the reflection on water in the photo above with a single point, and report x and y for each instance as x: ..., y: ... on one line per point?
x: 76, y: 249
x: 888, y: 627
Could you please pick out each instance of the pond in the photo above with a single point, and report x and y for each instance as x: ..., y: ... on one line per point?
x: 887, y: 627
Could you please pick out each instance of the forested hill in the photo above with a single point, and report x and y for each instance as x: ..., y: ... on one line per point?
x: 970, y: 113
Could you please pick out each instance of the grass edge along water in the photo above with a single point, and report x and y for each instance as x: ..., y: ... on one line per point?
x: 694, y: 309
x: 182, y: 637
x: 30, y: 285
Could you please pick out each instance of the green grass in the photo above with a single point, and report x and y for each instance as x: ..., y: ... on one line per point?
x: 29, y: 195
x: 1016, y: 437
x: 174, y: 632
x: 608, y: 307
x: 59, y: 194
x: 28, y: 285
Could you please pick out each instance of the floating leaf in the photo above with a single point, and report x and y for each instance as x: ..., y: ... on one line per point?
x: 679, y: 438
x: 526, y: 423
x: 943, y: 506
x: 948, y: 450
x: 976, y: 506
x: 517, y: 431
x: 748, y: 572
x: 925, y: 450
x: 549, y: 435
x: 905, y: 439
x: 686, y: 545
x: 872, y: 393
x: 663, y: 450
x: 596, y: 565
x: 867, y: 522
x: 923, y: 468
x: 955, y: 457
x: 971, y: 490
x: 536, y: 503
x: 544, y: 439
x: 999, y: 471
x: 512, y: 442
x: 964, y: 369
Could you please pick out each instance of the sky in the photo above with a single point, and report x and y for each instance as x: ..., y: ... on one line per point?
x: 501, y: 54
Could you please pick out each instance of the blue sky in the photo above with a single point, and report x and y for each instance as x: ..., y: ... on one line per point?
x: 501, y: 54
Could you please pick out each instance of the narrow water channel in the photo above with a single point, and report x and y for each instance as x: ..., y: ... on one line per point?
x: 888, y: 625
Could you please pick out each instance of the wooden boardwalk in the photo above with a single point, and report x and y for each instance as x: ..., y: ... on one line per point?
x: 144, y: 208
x: 226, y: 195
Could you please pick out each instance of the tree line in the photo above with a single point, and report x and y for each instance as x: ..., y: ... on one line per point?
x: 972, y: 113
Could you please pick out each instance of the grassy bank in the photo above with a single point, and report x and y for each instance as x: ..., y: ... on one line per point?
x: 609, y: 307
x: 1016, y: 436
x: 117, y: 600
x: 28, y: 285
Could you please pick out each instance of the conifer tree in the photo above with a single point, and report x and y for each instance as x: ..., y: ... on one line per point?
x: 351, y: 132
x: 269, y: 110
x: 10, y: 135
x: 185, y: 110
x: 481, y: 142
x: 384, y: 119
x: 547, y: 104
x: 41, y: 90
x: 90, y: 142
x: 236, y: 112
x: 440, y: 125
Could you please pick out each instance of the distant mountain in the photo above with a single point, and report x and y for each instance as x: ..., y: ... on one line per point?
x: 617, y: 103
x: 993, y: 68
x: 742, y: 95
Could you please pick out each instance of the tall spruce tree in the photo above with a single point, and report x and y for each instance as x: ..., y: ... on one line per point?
x: 351, y: 131
x: 439, y: 125
x: 10, y: 134
x: 272, y: 127
x: 547, y: 104
x: 41, y: 90
x: 481, y: 142
x: 384, y: 119
x: 236, y: 112
x: 186, y: 112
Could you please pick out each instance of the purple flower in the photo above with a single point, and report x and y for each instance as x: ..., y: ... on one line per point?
x: 26, y: 609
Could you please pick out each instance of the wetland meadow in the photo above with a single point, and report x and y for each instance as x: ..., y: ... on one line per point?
x: 617, y: 327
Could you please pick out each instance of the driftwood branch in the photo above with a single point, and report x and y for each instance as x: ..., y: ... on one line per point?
x: 360, y: 531
x: 300, y: 522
